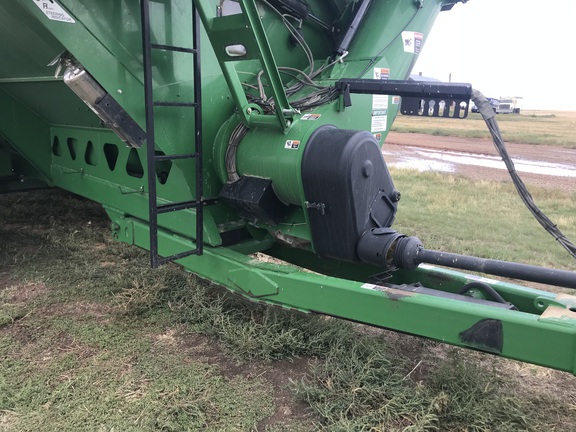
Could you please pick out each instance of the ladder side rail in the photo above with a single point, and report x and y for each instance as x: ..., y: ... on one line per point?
x: 196, y: 28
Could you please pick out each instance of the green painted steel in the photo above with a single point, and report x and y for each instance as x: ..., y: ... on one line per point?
x: 245, y: 31
x: 49, y: 136
x: 548, y: 339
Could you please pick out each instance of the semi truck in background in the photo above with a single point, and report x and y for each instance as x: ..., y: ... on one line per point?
x: 504, y: 105
x: 509, y: 105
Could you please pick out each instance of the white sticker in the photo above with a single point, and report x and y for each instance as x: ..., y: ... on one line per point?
x: 379, y: 123
x: 412, y: 42
x: 381, y: 73
x: 292, y: 144
x: 380, y: 104
x: 395, y: 100
x: 54, y: 11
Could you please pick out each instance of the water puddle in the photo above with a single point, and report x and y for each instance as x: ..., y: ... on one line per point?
x: 449, y: 161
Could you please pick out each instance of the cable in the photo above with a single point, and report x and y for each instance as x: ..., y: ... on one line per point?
x: 483, y: 287
x: 297, y: 36
x: 488, y: 114
x: 237, y: 134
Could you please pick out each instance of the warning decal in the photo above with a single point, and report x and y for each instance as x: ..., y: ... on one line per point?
x: 379, y: 118
x: 412, y: 41
x: 381, y: 73
x: 54, y: 11
x: 292, y: 144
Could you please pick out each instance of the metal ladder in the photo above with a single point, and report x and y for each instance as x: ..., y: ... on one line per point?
x: 152, y: 158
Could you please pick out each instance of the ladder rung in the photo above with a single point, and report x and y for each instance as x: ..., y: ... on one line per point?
x: 173, y: 48
x: 166, y: 208
x: 176, y: 156
x: 178, y: 256
x: 151, y: 157
x: 177, y: 104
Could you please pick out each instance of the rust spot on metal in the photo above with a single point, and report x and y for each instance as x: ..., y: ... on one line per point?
x: 391, y: 293
x: 395, y: 295
x: 566, y: 298
x: 558, y: 313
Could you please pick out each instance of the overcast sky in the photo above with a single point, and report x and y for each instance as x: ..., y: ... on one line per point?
x: 507, y: 48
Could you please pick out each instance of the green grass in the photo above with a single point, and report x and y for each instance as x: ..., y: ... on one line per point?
x: 529, y: 127
x: 485, y: 218
x: 95, y: 340
x: 124, y: 385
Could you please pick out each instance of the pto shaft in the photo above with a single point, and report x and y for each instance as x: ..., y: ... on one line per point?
x: 508, y: 269
x: 390, y: 249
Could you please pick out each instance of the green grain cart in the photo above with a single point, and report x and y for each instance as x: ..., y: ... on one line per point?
x: 210, y: 130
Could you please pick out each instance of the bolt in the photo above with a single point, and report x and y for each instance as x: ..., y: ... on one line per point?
x: 119, y: 91
x: 249, y: 111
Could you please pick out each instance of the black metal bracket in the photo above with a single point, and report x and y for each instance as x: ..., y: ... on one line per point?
x: 449, y: 100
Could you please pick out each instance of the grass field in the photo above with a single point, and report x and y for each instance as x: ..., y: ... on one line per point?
x: 483, y: 218
x: 530, y: 127
x: 92, y: 339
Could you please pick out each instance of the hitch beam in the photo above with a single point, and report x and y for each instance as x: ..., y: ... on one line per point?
x: 450, y: 100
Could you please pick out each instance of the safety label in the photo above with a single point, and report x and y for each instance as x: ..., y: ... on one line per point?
x: 381, y: 73
x: 412, y: 41
x: 292, y: 144
x: 379, y: 118
x: 311, y: 117
x: 54, y: 11
x: 379, y: 123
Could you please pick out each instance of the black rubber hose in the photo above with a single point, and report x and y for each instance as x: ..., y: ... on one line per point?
x: 483, y: 287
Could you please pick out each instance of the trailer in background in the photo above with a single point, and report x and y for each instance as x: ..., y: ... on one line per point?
x: 510, y: 105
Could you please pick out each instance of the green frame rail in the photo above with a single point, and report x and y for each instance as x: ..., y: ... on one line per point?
x: 546, y: 337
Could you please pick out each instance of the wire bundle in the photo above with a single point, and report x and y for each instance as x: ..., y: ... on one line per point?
x: 489, y: 116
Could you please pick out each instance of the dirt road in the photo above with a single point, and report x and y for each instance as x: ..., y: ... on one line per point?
x: 539, y: 165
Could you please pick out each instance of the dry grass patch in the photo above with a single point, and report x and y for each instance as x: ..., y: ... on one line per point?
x: 556, y: 128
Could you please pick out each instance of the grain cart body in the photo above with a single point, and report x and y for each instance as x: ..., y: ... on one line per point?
x: 210, y: 130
